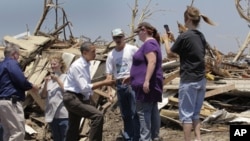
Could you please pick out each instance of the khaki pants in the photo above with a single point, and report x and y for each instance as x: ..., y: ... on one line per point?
x: 12, y: 119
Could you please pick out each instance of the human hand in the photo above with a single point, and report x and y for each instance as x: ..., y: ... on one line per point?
x: 146, y: 87
x: 168, y: 37
x: 35, y: 88
x: 54, y: 76
x: 126, y: 80
x: 46, y: 79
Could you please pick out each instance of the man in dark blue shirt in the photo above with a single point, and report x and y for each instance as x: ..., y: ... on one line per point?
x: 13, y: 85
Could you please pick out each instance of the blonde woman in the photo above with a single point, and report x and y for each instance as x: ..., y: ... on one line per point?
x: 55, y: 113
x: 190, y: 46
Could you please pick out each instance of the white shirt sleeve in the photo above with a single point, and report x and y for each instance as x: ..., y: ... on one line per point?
x: 109, y: 64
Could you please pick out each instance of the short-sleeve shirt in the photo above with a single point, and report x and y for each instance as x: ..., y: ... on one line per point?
x: 139, y: 69
x: 119, y: 62
x: 190, y: 46
x: 54, y: 101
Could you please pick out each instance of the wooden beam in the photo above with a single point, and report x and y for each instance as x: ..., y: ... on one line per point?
x: 220, y: 90
x: 101, y: 93
x: 205, y: 110
x: 171, y: 76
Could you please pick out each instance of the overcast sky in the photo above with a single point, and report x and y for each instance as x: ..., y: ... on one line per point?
x: 93, y: 18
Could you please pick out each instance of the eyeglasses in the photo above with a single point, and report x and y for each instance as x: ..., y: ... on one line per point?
x: 117, y: 37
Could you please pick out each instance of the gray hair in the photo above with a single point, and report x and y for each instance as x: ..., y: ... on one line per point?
x: 85, y: 46
x: 10, y: 49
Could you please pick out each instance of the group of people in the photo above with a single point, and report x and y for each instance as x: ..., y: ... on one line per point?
x: 136, y: 72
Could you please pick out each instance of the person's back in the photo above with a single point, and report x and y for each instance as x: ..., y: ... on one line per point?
x: 190, y: 46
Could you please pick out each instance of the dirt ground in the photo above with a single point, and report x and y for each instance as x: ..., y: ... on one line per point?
x: 169, y: 131
x: 113, y: 125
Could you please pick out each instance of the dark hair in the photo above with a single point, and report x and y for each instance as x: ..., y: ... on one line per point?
x: 194, y: 15
x: 150, y: 30
x: 85, y: 46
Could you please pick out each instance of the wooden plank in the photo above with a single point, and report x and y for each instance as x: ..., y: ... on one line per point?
x: 68, y: 58
x: 165, y: 100
x: 1, y: 53
x: 241, y: 85
x: 38, y: 69
x: 171, y: 76
x: 93, y: 67
x: 37, y: 77
x: 166, y: 118
x: 170, y: 113
x: 30, y: 44
x: 101, y: 93
x: 220, y: 90
x: 205, y: 110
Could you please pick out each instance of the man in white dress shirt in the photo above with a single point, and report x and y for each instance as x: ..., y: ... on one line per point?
x: 78, y: 94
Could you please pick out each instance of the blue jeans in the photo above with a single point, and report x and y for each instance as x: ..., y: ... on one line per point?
x: 1, y: 132
x: 126, y: 100
x: 150, y: 121
x: 59, y: 128
x: 191, y: 97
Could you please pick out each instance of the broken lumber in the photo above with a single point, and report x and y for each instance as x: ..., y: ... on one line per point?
x: 220, y: 90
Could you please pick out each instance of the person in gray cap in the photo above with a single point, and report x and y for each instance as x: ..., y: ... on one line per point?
x: 118, y: 65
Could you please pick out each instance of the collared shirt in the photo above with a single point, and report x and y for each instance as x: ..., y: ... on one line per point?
x: 12, y: 79
x: 78, y: 78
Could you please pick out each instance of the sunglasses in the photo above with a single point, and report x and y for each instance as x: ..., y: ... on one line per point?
x: 117, y: 37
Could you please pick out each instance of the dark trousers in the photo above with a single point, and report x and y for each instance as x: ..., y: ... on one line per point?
x: 77, y: 108
x: 1, y: 133
x: 59, y: 128
x: 127, y: 104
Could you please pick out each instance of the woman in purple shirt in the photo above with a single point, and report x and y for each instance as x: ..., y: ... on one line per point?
x: 146, y: 78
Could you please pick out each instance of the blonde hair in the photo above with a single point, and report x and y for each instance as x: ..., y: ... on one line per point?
x: 58, y: 56
x: 194, y: 15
